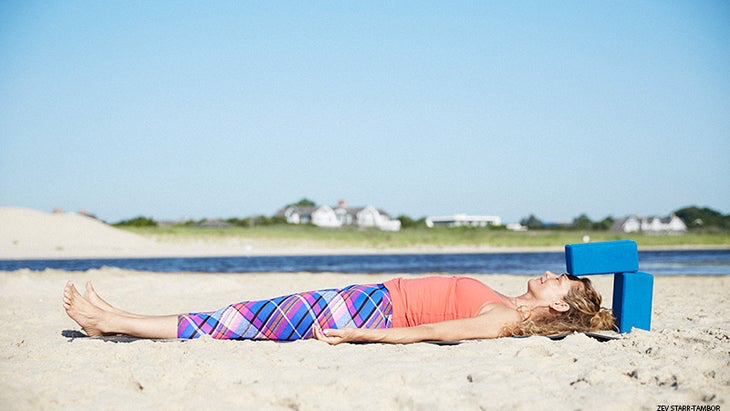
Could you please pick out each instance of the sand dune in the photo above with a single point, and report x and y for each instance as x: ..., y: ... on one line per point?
x: 26, y: 233
x: 32, y: 234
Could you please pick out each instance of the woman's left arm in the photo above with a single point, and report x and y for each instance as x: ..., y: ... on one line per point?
x: 486, y: 325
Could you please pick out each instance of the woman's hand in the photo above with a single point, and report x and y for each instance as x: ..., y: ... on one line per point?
x: 334, y: 336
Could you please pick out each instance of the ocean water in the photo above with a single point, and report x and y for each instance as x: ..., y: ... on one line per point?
x: 694, y: 262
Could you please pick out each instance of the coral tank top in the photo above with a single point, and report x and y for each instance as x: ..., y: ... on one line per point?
x: 427, y: 300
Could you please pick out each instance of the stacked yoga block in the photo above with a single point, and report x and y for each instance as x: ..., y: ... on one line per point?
x: 632, y: 289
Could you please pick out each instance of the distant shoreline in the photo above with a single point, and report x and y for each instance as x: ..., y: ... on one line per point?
x: 211, y: 251
x: 27, y: 234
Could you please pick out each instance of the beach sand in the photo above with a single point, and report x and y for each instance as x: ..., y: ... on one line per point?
x: 685, y: 359
x: 27, y: 234
x: 32, y: 234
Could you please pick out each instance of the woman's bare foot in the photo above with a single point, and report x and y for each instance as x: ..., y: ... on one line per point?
x: 95, y: 299
x: 97, y: 321
x: 87, y: 315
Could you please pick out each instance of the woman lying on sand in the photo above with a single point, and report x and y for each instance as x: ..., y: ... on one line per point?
x: 399, y: 311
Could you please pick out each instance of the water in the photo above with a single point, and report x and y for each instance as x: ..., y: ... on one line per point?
x: 695, y: 262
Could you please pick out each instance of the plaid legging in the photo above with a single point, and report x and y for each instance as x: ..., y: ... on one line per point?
x: 291, y: 317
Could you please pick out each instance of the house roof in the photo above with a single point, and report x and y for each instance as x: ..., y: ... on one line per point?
x: 309, y: 210
x: 354, y: 210
x: 619, y: 223
x: 299, y: 210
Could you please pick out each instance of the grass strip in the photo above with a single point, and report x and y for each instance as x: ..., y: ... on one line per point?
x: 412, y: 237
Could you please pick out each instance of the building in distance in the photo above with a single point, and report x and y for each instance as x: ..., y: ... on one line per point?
x: 340, y: 216
x: 650, y: 225
x: 463, y: 220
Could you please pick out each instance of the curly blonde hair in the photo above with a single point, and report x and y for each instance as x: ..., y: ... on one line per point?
x: 585, y: 314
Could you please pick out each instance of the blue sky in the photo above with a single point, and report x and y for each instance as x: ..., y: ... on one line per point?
x: 190, y: 110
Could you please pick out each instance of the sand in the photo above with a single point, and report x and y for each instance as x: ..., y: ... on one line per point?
x: 684, y: 359
x: 32, y: 234
x: 27, y: 234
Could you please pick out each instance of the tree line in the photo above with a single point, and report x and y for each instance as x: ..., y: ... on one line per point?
x: 696, y: 219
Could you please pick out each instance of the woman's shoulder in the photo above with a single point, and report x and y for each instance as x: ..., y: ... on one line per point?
x: 495, y: 308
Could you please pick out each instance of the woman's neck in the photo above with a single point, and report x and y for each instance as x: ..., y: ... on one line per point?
x: 527, y: 302
x: 524, y: 300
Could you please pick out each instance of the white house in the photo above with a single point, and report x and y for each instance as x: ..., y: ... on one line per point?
x: 372, y: 217
x: 651, y: 225
x: 297, y: 215
x: 675, y: 224
x: 459, y: 220
x: 365, y: 217
x: 344, y: 215
x: 516, y: 227
x: 322, y: 216
x: 339, y: 216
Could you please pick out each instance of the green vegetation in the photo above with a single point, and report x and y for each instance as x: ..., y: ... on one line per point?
x: 582, y: 222
x: 304, y: 202
x: 704, y: 219
x: 697, y: 219
x: 438, y: 236
x: 532, y: 222
x: 706, y: 227
x: 137, y: 222
x: 407, y: 222
x: 255, y: 221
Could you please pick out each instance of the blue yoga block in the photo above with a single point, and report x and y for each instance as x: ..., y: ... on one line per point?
x: 632, y: 295
x: 602, y: 258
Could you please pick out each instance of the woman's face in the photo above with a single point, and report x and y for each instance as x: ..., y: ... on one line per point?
x: 550, y: 287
